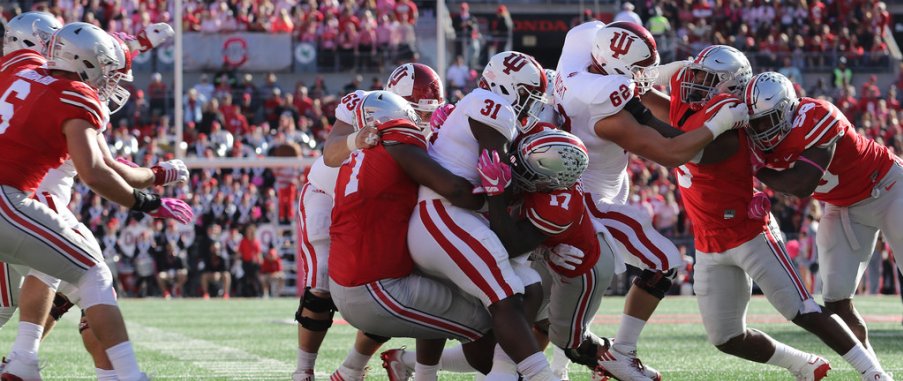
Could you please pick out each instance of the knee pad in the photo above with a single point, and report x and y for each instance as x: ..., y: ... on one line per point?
x: 656, y: 283
x: 377, y: 338
x: 6, y: 313
x: 96, y: 287
x: 316, y: 304
x: 588, y: 352
x: 61, y: 305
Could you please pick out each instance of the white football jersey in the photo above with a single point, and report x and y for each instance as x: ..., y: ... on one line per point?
x: 321, y: 175
x: 456, y: 149
x: 583, y: 98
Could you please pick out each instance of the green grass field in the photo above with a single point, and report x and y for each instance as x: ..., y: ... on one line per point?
x: 256, y: 340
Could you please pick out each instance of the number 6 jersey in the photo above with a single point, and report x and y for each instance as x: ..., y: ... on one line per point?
x: 33, y: 108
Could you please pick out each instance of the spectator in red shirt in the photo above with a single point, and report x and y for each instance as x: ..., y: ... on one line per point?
x: 271, y: 275
x: 406, y: 11
x: 251, y: 258
x: 282, y: 23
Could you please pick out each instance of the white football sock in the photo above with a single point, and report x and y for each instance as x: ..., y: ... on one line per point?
x: 355, y: 360
x: 536, y: 368
x: 28, y: 340
x: 560, y: 361
x: 862, y: 360
x: 306, y: 360
x: 503, y: 368
x: 788, y: 357
x: 453, y: 360
x: 105, y: 374
x: 426, y: 372
x: 628, y: 334
x: 122, y: 356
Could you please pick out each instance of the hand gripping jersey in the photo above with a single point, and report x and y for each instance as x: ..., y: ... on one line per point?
x: 858, y: 163
x: 563, y: 217
x: 31, y: 138
x: 456, y: 149
x: 374, y: 200
x: 321, y: 175
x: 584, y: 98
x: 716, y: 196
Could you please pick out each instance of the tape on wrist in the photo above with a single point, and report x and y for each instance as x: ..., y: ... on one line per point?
x: 351, y: 141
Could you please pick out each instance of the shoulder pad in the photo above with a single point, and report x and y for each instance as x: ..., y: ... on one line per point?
x: 491, y: 110
x: 345, y: 110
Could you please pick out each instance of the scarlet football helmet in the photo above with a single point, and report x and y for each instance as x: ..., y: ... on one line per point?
x: 625, y: 48
x: 717, y: 69
x: 771, y: 100
x: 420, y: 86
x: 549, y: 160
x: 519, y: 79
x: 30, y: 30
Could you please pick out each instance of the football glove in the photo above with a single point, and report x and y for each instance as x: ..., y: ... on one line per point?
x: 494, y: 174
x: 170, y: 172
x: 759, y: 206
x: 566, y: 256
x: 175, y: 209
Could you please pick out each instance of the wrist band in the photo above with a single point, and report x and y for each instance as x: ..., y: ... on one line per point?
x: 145, y: 202
x: 812, y: 163
x: 351, y: 141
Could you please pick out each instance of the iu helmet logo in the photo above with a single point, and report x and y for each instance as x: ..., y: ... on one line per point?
x: 620, y: 44
x: 398, y: 76
x: 513, y: 63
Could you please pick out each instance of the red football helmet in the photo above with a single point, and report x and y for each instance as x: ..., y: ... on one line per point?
x: 625, y: 48
x: 420, y: 86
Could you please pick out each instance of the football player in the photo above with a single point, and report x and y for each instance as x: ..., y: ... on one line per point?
x: 30, y: 31
x: 457, y: 244
x: 807, y: 147
x: 602, y: 72
x: 376, y: 192
x: 421, y: 87
x: 734, y: 242
x: 81, y: 73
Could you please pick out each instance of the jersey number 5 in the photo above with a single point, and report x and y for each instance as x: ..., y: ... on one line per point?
x: 492, y: 109
x: 20, y: 89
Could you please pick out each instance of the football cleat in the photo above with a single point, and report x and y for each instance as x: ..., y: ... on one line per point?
x: 303, y: 375
x: 816, y: 369
x: 346, y: 374
x: 875, y: 375
x: 623, y: 366
x: 394, y: 365
x: 19, y: 368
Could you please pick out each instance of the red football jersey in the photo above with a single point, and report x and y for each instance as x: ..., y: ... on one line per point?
x: 563, y: 217
x: 33, y: 108
x: 716, y: 196
x: 374, y: 199
x: 858, y: 163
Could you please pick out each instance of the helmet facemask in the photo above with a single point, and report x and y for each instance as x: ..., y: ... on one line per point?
x: 424, y: 110
x: 767, y: 129
x: 699, y: 85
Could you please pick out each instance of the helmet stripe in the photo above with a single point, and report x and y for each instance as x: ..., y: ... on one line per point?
x: 555, y: 139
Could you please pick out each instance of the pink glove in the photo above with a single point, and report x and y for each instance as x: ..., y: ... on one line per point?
x: 440, y: 115
x: 756, y: 160
x: 170, y: 172
x: 151, y: 37
x: 127, y: 162
x: 759, y: 206
x: 175, y: 209
x: 494, y: 174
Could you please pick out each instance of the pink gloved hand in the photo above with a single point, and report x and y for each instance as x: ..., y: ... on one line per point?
x: 127, y: 162
x: 151, y: 37
x: 440, y: 115
x: 756, y: 160
x: 494, y: 174
x: 759, y: 206
x: 175, y: 209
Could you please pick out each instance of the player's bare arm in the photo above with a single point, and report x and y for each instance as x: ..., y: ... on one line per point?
x: 81, y: 140
x: 427, y: 172
x: 624, y: 130
x: 136, y: 177
x: 801, y: 179
x: 658, y: 103
x: 340, y: 140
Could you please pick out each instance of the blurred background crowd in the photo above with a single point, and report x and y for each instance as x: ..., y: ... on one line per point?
x: 243, y: 245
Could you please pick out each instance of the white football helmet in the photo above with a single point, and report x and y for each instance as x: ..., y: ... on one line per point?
x: 625, y: 48
x: 519, y: 79
x: 89, y: 52
x: 549, y: 160
x: 717, y: 69
x: 771, y: 100
x: 420, y: 86
x: 380, y: 107
x: 30, y: 30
